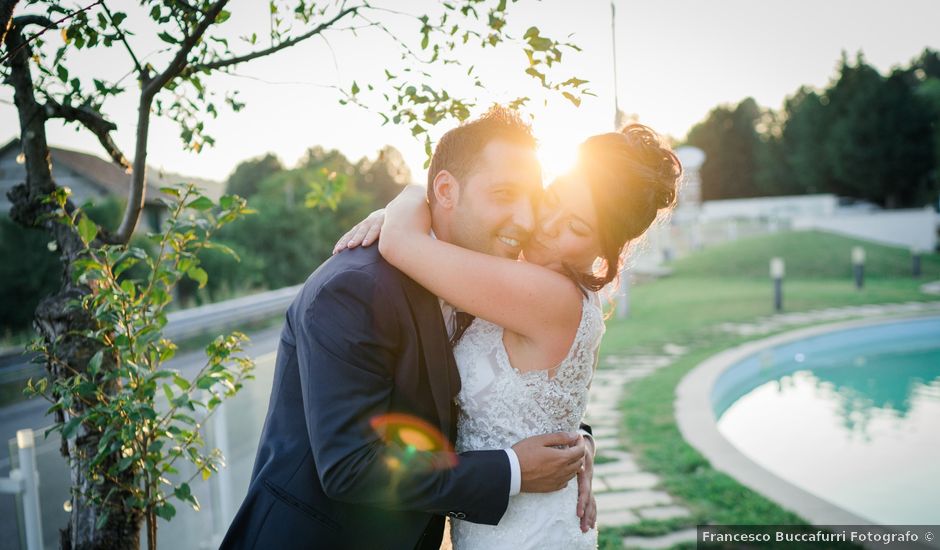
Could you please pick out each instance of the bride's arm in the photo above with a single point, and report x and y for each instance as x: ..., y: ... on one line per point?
x: 524, y: 298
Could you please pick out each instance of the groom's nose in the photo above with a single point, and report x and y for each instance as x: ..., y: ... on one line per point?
x: 523, y: 217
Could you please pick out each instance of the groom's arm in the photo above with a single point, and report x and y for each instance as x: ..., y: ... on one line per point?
x: 348, y: 344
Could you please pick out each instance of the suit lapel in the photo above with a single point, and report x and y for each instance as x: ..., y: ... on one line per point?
x: 438, y: 357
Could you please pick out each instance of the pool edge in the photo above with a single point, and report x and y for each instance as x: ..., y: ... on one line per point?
x: 697, y: 424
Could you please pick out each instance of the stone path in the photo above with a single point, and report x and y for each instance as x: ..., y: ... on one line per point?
x: 931, y: 287
x: 772, y: 323
x: 625, y: 493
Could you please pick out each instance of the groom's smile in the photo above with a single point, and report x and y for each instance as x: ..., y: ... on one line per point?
x: 495, y: 211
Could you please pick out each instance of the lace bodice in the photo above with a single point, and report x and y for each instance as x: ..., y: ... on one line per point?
x: 500, y: 405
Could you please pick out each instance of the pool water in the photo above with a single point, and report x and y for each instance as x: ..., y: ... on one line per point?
x: 851, y: 416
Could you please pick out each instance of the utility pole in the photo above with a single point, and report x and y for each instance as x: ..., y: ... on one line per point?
x: 613, y: 43
x: 623, y: 293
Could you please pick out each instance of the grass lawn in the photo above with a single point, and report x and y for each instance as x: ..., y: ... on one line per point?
x: 729, y: 284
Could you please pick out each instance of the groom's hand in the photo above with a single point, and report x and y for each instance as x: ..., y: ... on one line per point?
x: 548, y: 462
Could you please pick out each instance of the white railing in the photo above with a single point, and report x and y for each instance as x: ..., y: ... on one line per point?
x: 24, y: 482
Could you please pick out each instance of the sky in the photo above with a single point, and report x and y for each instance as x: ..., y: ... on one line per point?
x: 675, y: 61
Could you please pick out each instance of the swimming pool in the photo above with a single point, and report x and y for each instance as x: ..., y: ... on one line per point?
x: 851, y: 416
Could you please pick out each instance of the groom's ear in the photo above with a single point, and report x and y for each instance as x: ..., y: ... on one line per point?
x: 446, y: 189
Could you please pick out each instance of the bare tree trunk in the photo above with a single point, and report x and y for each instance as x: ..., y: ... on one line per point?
x: 55, y: 321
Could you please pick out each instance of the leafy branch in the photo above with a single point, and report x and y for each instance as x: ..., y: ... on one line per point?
x: 121, y: 393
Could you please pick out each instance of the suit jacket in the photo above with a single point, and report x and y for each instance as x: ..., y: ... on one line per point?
x: 362, y: 341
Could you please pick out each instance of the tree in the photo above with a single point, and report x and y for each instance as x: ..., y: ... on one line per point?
x: 384, y: 177
x: 249, y: 173
x: 929, y: 94
x: 804, y: 138
x: 729, y: 138
x: 24, y: 282
x: 880, y: 143
x: 172, y: 85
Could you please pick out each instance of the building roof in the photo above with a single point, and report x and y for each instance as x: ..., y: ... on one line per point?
x: 113, y: 179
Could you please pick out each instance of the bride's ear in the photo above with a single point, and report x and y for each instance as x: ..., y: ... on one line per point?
x: 446, y: 189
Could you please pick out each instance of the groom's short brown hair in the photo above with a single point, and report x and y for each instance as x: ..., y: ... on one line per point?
x: 459, y: 148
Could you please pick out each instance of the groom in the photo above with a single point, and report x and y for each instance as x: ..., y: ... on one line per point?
x: 356, y: 450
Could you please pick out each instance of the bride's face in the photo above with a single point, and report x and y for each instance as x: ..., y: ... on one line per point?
x: 566, y: 230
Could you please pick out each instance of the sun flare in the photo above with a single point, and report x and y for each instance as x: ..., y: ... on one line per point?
x: 557, y: 155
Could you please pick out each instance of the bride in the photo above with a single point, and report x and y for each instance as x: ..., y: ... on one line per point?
x: 527, y: 359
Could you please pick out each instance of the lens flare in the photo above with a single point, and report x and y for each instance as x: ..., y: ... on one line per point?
x: 413, y: 435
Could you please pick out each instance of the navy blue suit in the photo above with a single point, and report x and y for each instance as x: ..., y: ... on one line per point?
x: 360, y: 341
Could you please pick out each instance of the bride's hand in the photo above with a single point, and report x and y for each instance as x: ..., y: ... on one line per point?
x: 587, y: 507
x: 363, y: 233
x: 409, y: 211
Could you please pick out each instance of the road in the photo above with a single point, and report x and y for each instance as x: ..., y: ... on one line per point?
x: 31, y: 414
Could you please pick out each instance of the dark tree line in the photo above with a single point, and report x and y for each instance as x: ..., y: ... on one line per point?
x: 866, y: 135
x: 290, y: 235
x: 279, y: 245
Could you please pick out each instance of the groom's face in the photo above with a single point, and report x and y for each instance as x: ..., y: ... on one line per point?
x: 494, y: 213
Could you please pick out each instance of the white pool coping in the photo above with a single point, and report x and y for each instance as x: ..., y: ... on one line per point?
x: 698, y: 425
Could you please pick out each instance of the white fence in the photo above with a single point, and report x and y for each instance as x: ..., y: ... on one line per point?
x: 913, y: 228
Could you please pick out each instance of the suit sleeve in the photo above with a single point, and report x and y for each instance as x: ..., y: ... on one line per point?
x: 347, y: 345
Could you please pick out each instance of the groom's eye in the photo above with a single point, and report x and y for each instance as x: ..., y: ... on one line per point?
x: 505, y: 193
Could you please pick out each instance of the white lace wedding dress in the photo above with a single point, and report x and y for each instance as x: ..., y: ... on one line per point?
x: 500, y: 406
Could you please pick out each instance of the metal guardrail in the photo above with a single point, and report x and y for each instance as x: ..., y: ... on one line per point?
x: 183, y: 323
x: 24, y: 481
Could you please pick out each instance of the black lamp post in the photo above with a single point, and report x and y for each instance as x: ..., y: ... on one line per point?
x: 777, y: 270
x: 858, y: 266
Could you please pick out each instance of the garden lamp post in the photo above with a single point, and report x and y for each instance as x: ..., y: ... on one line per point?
x: 623, y: 296
x: 777, y: 270
x: 858, y: 266
x: 915, y: 261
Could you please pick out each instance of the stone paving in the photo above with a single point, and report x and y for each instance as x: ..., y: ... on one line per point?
x: 932, y: 287
x: 765, y: 325
x: 625, y: 493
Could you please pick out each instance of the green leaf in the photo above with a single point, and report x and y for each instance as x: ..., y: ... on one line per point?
x: 69, y: 428
x: 167, y: 37
x: 166, y: 511
x: 102, y: 519
x: 540, y: 44
x: 94, y: 364
x: 181, y: 382
x: 87, y: 229
x: 223, y: 17
x: 199, y: 275
x: 170, y: 191
x: 205, y: 382
x: 572, y: 98
x: 201, y: 203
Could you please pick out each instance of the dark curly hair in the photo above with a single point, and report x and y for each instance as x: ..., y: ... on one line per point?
x: 458, y: 149
x: 632, y: 175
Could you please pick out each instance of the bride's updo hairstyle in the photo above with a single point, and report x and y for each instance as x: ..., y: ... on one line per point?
x: 632, y: 175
